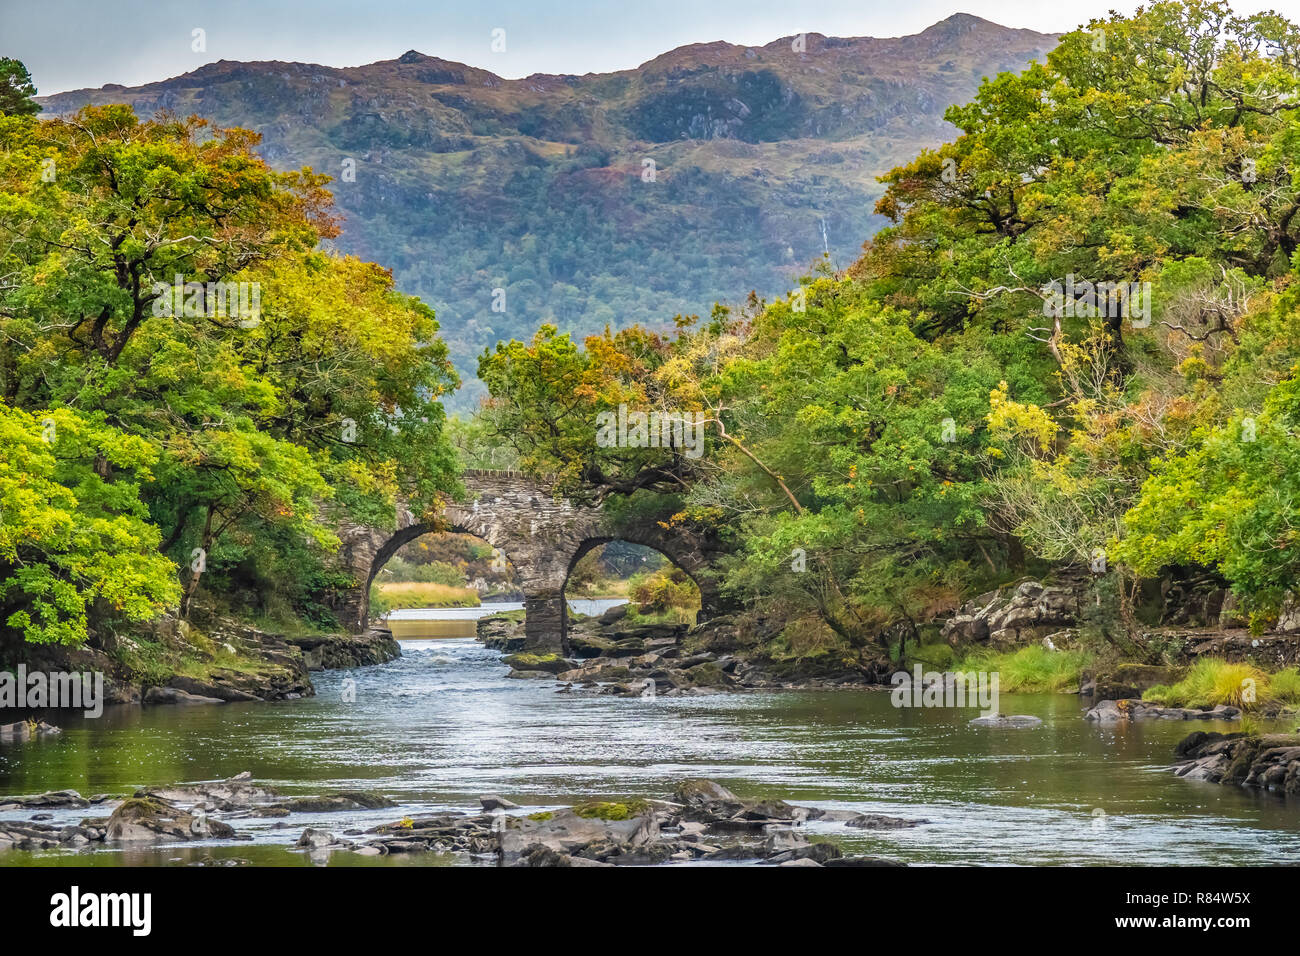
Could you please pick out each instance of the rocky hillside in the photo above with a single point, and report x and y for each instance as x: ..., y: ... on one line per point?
x: 606, y: 198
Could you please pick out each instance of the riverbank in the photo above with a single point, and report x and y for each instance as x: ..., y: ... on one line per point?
x: 214, y: 660
x: 1035, y: 636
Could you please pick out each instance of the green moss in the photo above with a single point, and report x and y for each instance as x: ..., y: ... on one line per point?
x: 608, y: 810
x: 142, y: 806
x: 542, y: 816
x: 531, y: 660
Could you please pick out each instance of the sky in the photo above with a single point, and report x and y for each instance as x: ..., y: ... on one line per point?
x: 70, y: 44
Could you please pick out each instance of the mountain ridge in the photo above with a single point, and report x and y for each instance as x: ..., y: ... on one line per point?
x: 602, y: 198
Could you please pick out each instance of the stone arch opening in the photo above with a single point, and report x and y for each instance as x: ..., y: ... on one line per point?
x: 487, y: 569
x: 658, y: 572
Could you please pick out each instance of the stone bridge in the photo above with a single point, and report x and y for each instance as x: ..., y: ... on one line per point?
x: 542, y: 534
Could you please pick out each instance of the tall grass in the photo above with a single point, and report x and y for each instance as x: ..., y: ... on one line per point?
x: 1212, y: 681
x: 1032, y: 669
x: 395, y: 595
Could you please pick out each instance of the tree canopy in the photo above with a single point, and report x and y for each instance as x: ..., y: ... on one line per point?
x: 1050, y: 356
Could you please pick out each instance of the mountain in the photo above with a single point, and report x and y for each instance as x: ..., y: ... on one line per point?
x: 608, y: 198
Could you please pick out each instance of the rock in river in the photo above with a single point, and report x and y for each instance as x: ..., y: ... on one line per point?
x: 1115, y: 711
x: 1007, y: 721
x: 152, y: 820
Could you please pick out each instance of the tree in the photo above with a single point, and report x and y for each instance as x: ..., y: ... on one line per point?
x: 275, y: 385
x: 16, y: 89
x: 75, y: 545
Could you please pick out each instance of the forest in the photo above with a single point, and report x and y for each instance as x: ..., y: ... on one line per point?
x: 882, y: 443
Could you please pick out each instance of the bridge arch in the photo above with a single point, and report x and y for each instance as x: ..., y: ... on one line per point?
x: 543, y: 536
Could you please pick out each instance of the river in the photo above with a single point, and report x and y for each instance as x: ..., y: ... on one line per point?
x: 442, y: 725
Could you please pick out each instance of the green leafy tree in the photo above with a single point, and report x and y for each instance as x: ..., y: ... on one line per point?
x: 16, y: 89
x: 75, y: 546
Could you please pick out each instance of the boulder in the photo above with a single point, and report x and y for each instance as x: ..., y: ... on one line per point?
x: 173, y: 695
x: 1231, y: 614
x: 1262, y: 762
x: 1288, y: 620
x: 151, y: 820
x: 564, y: 831
x: 547, y: 663
x: 334, y: 802
x: 234, y: 793
x: 1117, y: 711
x: 492, y: 802
x: 698, y: 792
x: 1028, y: 613
x: 52, y: 798
x: 317, y: 839
x: 1007, y: 721
x: 614, y: 614
x: 24, y: 730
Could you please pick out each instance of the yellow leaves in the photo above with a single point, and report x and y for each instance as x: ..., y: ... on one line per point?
x: 1028, y: 426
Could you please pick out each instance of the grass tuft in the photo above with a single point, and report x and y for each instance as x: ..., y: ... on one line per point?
x: 1030, y: 670
x: 1212, y: 681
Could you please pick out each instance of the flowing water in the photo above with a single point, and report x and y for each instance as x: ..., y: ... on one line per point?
x: 441, y: 725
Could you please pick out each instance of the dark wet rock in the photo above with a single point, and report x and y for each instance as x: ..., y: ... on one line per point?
x: 335, y: 802
x: 530, y: 675
x: 209, y: 860
x: 198, y: 691
x: 502, y: 634
x: 1267, y: 762
x: 152, y: 820
x: 566, y: 831
x: 43, y: 836
x: 699, y: 792
x: 548, y: 663
x: 703, y: 821
x: 1117, y: 711
x: 52, y: 798
x: 819, y: 853
x: 597, y: 670
x: 586, y: 643
x: 312, y: 839
x: 541, y: 855
x: 614, y: 614
x: 876, y: 821
x: 766, y: 811
x: 1007, y: 721
x: 345, y: 651
x: 155, y: 696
